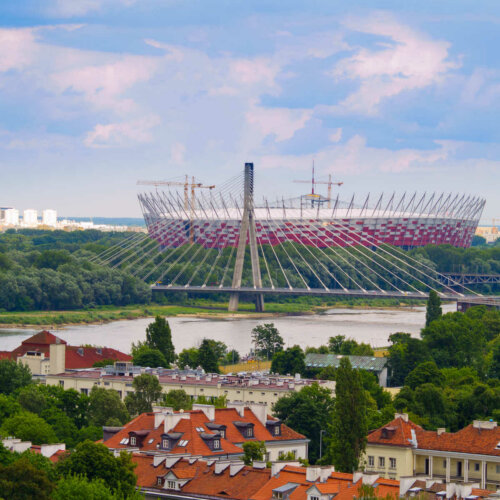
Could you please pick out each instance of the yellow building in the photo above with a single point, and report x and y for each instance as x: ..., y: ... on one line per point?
x: 246, y: 388
x: 402, y: 448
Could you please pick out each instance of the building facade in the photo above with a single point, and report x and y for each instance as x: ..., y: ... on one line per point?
x: 403, y: 448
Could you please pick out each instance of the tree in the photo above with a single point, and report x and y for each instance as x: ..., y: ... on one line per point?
x: 188, y: 357
x: 307, y: 411
x: 22, y: 481
x: 267, y: 340
x: 29, y: 427
x: 95, y: 461
x: 159, y: 336
x: 232, y: 357
x: 178, y: 399
x: 8, y: 407
x: 147, y: 390
x: 291, y: 361
x: 405, y: 354
x: 424, y: 373
x: 104, y: 362
x: 208, y: 356
x: 65, y: 429
x: 32, y: 399
x: 79, y: 487
x: 147, y: 356
x: 340, y: 345
x: 105, y: 404
x: 348, y: 430
x: 434, y: 310
x: 13, y: 376
x: 254, y: 450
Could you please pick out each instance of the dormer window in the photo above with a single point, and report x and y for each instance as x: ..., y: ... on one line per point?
x: 165, y: 444
x: 133, y: 441
x: 159, y: 481
x: 276, y: 430
x: 216, y: 444
x: 249, y: 432
x: 274, y: 427
x: 246, y: 429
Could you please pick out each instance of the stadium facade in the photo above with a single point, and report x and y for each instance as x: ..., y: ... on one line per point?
x: 408, y: 222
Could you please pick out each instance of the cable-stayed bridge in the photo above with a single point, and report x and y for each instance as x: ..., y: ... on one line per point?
x: 222, y: 242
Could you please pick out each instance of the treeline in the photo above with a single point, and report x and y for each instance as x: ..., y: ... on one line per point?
x: 44, y: 270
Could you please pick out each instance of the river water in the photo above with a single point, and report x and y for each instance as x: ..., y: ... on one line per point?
x: 372, y: 326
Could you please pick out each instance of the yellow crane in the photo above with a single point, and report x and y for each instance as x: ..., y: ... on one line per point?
x: 329, y: 183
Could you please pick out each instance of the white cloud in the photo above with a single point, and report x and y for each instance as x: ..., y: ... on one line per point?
x: 71, y: 8
x: 409, y: 61
x: 336, y: 135
x: 17, y: 48
x: 122, y: 133
x: 354, y: 156
x: 281, y: 122
x: 177, y: 152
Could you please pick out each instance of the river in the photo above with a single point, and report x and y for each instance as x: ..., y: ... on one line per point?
x: 372, y: 326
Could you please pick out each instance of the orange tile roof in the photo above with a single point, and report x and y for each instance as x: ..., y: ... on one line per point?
x: 467, y: 440
x: 201, y: 478
x: 188, y: 427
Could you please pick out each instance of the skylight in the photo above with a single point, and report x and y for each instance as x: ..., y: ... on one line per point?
x: 183, y: 443
x: 151, y: 440
x: 124, y: 441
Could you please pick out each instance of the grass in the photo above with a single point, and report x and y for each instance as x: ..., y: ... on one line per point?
x: 192, y: 307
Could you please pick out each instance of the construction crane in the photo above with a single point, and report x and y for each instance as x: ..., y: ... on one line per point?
x: 186, y: 184
x: 314, y: 182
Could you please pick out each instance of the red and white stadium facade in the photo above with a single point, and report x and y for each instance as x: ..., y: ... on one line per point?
x: 435, y: 219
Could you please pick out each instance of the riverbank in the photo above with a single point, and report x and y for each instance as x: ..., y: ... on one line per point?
x: 203, y: 310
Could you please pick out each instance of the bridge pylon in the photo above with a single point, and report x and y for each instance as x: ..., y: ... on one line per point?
x: 247, y: 231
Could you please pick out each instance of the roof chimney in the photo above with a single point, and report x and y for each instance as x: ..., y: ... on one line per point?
x: 441, y: 430
x: 208, y: 410
x: 313, y: 474
x: 402, y: 416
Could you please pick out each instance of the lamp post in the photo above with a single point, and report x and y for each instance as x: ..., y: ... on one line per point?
x: 321, y: 432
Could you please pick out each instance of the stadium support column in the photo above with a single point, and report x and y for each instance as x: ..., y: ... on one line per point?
x: 247, y: 229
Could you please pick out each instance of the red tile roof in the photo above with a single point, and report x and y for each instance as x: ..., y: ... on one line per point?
x: 190, y: 430
x: 76, y: 357
x: 470, y: 439
x: 202, y: 478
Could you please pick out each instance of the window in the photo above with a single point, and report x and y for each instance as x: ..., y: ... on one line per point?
x: 84, y: 391
x: 249, y: 432
x: 381, y: 461
x: 313, y: 498
x: 476, y: 466
x: 133, y: 440
x: 159, y: 481
x: 61, y: 383
x: 223, y: 433
x: 294, y: 453
x: 106, y: 383
x: 172, y: 485
x: 392, y: 463
x: 164, y: 444
x: 498, y: 469
x: 276, y: 430
x: 444, y: 464
x: 371, y: 460
x: 216, y: 444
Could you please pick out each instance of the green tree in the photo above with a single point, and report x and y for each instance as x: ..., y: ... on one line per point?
x: 22, y: 481
x: 95, y: 461
x: 424, y: 373
x: 254, y: 450
x: 79, y: 488
x: 13, y: 376
x: 208, y: 356
x: 105, y: 404
x: 308, y: 411
x: 188, y: 357
x: 159, y: 336
x: 434, y: 310
x: 32, y: 399
x: 147, y: 356
x: 405, y: 354
x: 65, y: 429
x: 8, y: 407
x: 340, y: 345
x: 232, y: 357
x: 147, y: 390
x: 290, y: 361
x: 267, y: 340
x: 348, y: 430
x: 178, y: 399
x: 29, y: 427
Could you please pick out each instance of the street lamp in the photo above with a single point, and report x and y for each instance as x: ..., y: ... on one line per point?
x: 321, y: 432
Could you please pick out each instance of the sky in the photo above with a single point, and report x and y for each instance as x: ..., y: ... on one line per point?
x: 97, y: 94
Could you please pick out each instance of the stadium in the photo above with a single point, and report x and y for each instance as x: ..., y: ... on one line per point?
x: 212, y: 219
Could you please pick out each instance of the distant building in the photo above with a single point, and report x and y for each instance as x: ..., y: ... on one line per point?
x: 489, y: 233
x: 207, y: 432
x: 377, y: 366
x: 9, y: 216
x: 403, y: 448
x: 45, y: 354
x: 49, y: 217
x: 30, y: 217
x: 246, y: 388
x: 51, y: 451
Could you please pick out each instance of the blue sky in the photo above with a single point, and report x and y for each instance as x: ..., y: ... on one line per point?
x: 96, y: 94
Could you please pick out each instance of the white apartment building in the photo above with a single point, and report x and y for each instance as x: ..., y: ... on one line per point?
x: 30, y: 217
x: 10, y: 216
x: 49, y: 217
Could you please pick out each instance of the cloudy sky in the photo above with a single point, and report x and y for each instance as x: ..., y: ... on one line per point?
x: 96, y: 94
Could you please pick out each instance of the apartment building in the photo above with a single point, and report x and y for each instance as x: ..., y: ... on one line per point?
x: 403, y: 448
x: 250, y: 388
x: 207, y: 432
